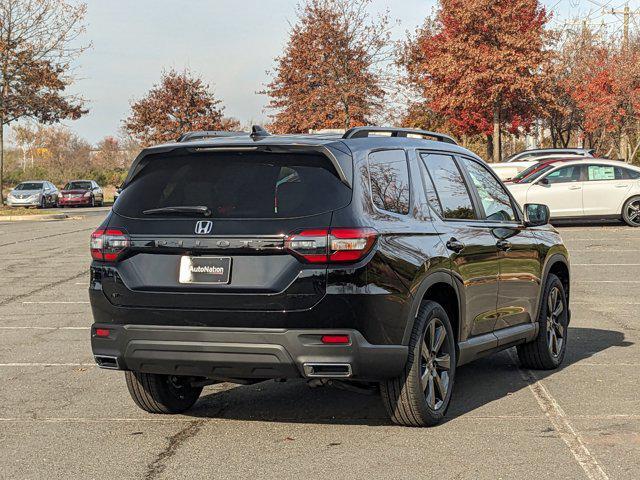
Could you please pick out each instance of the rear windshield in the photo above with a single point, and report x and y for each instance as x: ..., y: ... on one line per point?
x: 237, y: 185
x: 29, y: 186
x: 78, y: 186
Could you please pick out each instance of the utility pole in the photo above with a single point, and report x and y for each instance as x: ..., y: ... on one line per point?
x: 626, y: 18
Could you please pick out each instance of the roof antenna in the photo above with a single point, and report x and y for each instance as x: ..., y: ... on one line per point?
x: 258, y: 132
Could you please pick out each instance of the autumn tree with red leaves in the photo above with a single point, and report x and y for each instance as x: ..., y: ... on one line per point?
x: 37, y: 48
x: 476, y: 65
x: 609, y: 95
x: 180, y: 103
x: 329, y: 74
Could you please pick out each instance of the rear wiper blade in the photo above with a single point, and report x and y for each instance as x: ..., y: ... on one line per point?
x: 186, y: 210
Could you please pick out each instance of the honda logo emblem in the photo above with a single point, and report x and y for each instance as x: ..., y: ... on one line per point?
x: 203, y: 227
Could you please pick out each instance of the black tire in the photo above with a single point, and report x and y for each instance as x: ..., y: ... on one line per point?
x: 545, y: 353
x: 161, y: 393
x: 93, y: 201
x: 406, y: 400
x: 631, y: 212
x: 43, y: 202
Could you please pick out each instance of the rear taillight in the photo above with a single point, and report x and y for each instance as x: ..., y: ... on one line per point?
x: 335, y: 339
x: 107, y: 245
x: 335, y: 245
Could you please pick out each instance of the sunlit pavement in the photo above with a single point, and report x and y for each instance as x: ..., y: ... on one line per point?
x: 63, y: 418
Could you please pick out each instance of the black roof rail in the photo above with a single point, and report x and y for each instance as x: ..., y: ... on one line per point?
x: 199, y: 135
x: 363, y: 132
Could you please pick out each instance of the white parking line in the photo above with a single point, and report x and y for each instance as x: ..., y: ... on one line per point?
x: 561, y: 424
x: 591, y: 364
x: 53, y: 303
x: 47, y: 364
x: 600, y: 250
x: 577, y: 282
x: 603, y: 265
x: 214, y: 419
x: 45, y: 328
x: 600, y: 302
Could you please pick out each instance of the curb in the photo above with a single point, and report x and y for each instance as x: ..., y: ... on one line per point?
x: 37, y: 218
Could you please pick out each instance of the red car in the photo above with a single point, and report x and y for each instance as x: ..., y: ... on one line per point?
x: 81, y: 192
x: 534, y: 171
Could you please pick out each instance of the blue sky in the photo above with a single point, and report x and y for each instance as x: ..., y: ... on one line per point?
x: 229, y: 43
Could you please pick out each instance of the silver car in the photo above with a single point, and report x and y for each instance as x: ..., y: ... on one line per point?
x: 34, y: 193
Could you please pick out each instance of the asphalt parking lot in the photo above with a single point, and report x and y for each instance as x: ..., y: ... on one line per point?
x: 61, y: 417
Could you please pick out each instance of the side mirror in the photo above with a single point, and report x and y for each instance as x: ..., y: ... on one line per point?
x: 544, y: 181
x: 536, y: 215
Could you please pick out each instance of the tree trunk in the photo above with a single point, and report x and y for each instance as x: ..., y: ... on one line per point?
x: 489, y: 148
x: 1, y: 161
x: 497, y: 157
x: 624, y: 147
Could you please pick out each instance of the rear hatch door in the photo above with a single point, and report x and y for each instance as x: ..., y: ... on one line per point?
x: 232, y: 256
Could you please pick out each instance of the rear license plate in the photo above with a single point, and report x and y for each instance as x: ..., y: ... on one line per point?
x: 211, y: 270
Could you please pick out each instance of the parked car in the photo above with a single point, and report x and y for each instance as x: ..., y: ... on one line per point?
x: 34, y: 193
x: 596, y: 189
x: 81, y: 192
x: 356, y: 258
x: 507, y: 171
x: 536, y: 153
x: 117, y: 193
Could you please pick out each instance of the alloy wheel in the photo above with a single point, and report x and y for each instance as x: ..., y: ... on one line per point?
x: 178, y: 386
x: 435, y: 364
x: 555, y: 328
x: 633, y: 212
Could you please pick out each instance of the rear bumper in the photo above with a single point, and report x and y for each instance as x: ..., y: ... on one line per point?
x: 233, y: 353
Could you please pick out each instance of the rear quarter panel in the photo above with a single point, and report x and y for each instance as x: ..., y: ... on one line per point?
x: 408, y: 250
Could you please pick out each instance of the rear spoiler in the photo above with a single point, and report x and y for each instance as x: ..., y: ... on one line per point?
x: 340, y: 161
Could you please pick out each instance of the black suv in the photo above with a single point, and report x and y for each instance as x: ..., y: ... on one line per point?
x: 383, y: 255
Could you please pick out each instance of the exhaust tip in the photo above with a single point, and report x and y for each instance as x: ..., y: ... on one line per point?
x: 105, y: 361
x: 327, y: 370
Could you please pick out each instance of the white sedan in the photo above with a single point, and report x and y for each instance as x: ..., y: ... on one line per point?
x: 591, y: 188
x: 510, y: 169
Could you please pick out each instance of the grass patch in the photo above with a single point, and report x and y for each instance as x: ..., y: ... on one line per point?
x: 9, y: 211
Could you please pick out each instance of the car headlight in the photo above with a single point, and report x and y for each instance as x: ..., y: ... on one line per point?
x: 34, y: 197
x: 10, y: 196
x: 88, y: 194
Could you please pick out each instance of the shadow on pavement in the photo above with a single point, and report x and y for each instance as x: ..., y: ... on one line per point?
x: 477, y: 384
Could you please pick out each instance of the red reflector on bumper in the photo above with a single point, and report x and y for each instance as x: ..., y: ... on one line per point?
x: 102, y: 332
x: 333, y: 339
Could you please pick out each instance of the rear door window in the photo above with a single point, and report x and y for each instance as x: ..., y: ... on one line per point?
x: 453, y: 194
x: 237, y: 185
x: 389, y: 177
x: 602, y: 172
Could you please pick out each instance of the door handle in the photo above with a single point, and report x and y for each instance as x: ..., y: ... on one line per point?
x: 454, y: 245
x: 621, y: 186
x: 575, y: 187
x: 504, y: 245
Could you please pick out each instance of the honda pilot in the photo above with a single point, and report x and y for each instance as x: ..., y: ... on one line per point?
x: 382, y: 257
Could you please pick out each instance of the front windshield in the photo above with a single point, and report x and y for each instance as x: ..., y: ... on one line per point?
x: 29, y: 186
x: 78, y: 186
x: 535, y: 175
x: 525, y: 173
